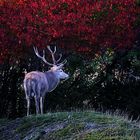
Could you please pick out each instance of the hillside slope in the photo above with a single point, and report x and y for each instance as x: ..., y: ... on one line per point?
x: 88, y: 125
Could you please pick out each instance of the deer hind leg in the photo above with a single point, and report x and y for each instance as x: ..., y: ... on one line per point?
x: 28, y: 106
x: 41, y: 104
x: 37, y: 105
x: 27, y: 88
x: 28, y: 100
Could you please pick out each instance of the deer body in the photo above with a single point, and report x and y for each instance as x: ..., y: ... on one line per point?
x: 37, y: 84
x: 40, y: 82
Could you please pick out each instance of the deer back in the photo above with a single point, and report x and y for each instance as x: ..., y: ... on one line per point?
x: 35, y: 83
x: 38, y: 83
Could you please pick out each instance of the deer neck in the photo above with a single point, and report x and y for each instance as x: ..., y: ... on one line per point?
x: 52, y: 80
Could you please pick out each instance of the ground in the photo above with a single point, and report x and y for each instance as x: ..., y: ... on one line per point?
x: 82, y: 125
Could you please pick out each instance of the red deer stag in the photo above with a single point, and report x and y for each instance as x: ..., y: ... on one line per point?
x: 37, y: 84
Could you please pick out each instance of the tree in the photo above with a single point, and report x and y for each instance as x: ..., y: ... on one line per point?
x: 95, y: 28
x: 86, y: 26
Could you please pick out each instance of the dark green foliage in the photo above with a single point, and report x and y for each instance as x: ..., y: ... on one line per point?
x: 108, y: 82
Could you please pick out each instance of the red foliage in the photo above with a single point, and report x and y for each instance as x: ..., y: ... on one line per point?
x: 83, y: 25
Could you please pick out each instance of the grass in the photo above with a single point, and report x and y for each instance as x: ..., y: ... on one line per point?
x: 3, y: 121
x: 117, y: 133
x: 86, y: 125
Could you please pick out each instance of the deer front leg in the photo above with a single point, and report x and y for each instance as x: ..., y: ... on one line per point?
x: 28, y: 106
x: 41, y: 104
x: 37, y: 105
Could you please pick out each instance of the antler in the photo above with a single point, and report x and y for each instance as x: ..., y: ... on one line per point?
x: 55, y: 62
x: 52, y: 53
x: 60, y: 56
x: 63, y: 62
x: 42, y: 57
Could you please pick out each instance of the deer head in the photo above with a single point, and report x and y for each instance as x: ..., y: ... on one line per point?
x: 56, y: 66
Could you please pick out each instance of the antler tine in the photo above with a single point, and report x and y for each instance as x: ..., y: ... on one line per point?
x: 54, y: 50
x: 60, y: 56
x: 36, y: 52
x: 41, y: 57
x: 43, y: 53
x: 60, y: 65
x: 52, y: 53
x: 63, y: 63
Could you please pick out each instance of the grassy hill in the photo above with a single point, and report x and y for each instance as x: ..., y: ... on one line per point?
x: 88, y: 125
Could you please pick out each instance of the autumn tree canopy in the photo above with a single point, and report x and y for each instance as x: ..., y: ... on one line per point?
x: 81, y: 25
x: 97, y: 28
